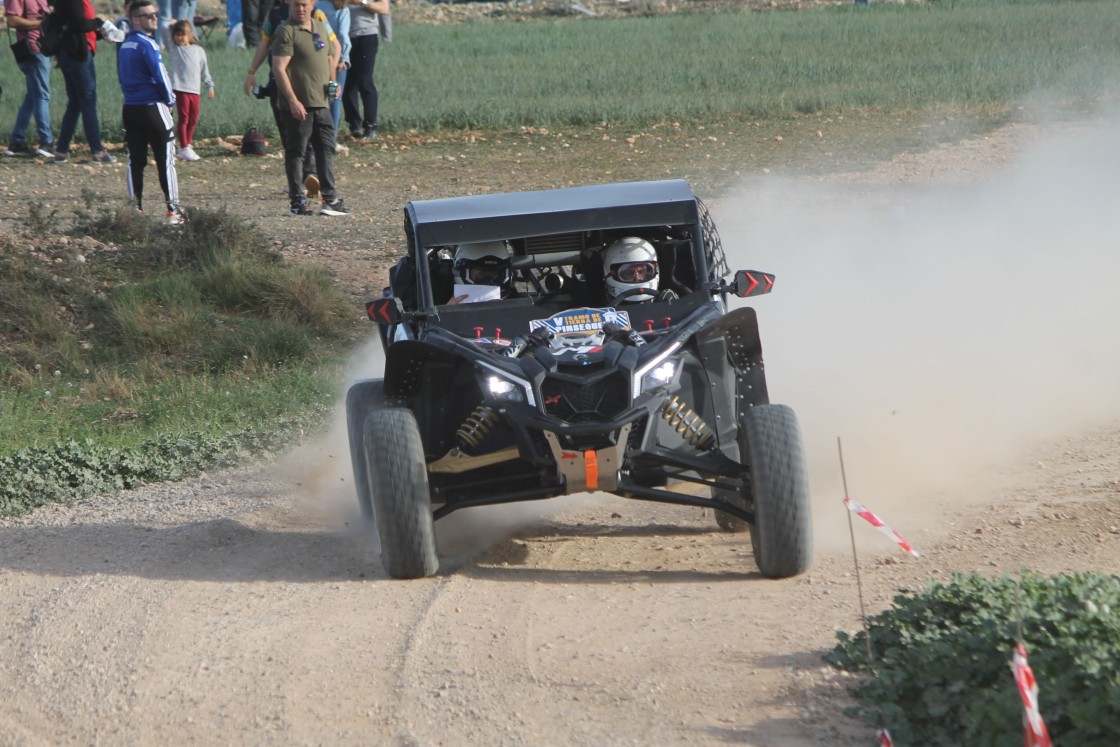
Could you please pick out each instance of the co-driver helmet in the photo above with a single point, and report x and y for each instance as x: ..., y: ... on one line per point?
x: 630, y: 264
x: 483, y: 263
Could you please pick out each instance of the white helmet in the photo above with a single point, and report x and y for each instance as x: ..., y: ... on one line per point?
x: 483, y: 263
x: 628, y: 264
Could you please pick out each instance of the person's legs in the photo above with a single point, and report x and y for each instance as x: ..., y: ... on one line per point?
x: 70, y: 73
x: 361, y: 69
x: 250, y: 22
x: 193, y: 106
x: 161, y: 135
x: 297, y: 134
x: 336, y: 105
x: 165, y: 18
x: 87, y: 92
x: 279, y: 110
x: 187, y: 105
x: 322, y: 142
x: 39, y: 85
x: 310, y: 167
x: 136, y: 141
x: 369, y: 90
x: 181, y: 112
x: 23, y: 115
x: 191, y: 10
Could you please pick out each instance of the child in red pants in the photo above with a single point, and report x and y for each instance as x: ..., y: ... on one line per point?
x: 186, y: 62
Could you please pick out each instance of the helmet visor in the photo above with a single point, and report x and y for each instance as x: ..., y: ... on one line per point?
x: 634, y: 272
x: 490, y: 275
x: 488, y: 270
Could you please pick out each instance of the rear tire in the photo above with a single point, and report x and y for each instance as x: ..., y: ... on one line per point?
x: 782, y: 532
x: 399, y: 493
x: 362, y: 398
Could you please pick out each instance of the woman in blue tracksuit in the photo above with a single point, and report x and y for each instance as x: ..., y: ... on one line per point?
x: 148, y: 99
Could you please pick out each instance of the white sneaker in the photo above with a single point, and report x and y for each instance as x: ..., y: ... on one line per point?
x: 340, y: 148
x: 174, y: 217
x: 190, y: 155
x: 182, y: 154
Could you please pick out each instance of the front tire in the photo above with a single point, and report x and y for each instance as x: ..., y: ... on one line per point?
x: 362, y: 398
x: 402, y: 505
x: 782, y: 532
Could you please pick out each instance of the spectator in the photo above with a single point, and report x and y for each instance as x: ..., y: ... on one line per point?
x: 75, y: 60
x: 276, y: 17
x: 189, y: 71
x: 359, y: 98
x: 337, y: 13
x: 304, y: 63
x: 146, y: 114
x: 24, y: 16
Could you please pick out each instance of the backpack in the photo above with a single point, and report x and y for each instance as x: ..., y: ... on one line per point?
x: 51, y: 29
x: 253, y: 144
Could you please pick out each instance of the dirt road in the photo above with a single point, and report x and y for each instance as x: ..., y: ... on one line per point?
x: 248, y: 607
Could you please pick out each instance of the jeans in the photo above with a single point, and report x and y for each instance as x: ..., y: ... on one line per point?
x: 185, y: 10
x: 36, y: 102
x: 336, y: 105
x: 360, y: 94
x: 165, y: 17
x: 81, y: 99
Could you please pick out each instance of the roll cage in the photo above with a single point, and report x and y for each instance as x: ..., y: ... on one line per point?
x: 557, y: 238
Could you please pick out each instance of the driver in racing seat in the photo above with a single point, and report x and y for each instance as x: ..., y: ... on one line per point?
x: 630, y: 272
x: 485, y: 263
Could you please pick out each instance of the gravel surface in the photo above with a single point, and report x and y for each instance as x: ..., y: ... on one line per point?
x: 248, y: 606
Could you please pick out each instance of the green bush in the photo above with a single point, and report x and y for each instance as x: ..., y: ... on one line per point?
x: 942, y: 676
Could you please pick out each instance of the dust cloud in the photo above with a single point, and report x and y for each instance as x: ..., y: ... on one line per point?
x: 941, y: 324
x: 940, y: 331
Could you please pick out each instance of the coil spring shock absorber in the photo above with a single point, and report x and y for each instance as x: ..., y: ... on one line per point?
x: 475, y: 427
x: 687, y: 423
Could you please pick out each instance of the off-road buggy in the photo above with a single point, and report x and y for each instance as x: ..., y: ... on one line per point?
x: 551, y: 392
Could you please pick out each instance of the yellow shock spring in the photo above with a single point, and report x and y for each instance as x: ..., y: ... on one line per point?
x: 475, y: 427
x: 687, y: 423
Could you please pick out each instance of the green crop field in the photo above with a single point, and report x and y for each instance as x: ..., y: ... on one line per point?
x: 638, y: 71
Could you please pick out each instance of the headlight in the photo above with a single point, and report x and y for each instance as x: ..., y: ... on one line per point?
x: 657, y: 373
x: 503, y: 386
x: 504, y: 389
x: 661, y: 375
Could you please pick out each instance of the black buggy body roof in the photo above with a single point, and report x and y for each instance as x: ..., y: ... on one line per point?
x: 494, y: 217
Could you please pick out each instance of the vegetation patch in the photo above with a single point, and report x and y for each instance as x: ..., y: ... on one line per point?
x: 152, y: 353
x: 942, y: 676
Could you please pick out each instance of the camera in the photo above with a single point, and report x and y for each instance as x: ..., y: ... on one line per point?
x: 263, y: 92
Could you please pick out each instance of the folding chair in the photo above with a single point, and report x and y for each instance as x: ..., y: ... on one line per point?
x: 205, y: 26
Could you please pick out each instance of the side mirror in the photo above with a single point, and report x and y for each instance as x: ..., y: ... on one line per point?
x: 752, y: 283
x: 385, y: 310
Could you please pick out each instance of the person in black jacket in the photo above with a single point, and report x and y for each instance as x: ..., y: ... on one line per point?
x: 75, y: 60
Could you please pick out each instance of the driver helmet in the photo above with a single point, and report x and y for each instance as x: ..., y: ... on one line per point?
x: 628, y: 264
x: 483, y: 263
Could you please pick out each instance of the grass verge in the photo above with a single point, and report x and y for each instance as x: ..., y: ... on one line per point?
x: 153, y: 353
